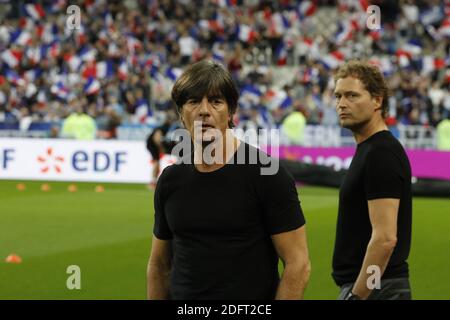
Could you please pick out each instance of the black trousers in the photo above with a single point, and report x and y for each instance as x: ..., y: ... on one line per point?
x: 390, y: 289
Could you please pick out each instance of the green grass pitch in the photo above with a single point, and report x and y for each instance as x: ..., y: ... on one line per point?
x: 108, y: 235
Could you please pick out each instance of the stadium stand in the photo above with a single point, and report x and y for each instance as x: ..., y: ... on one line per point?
x: 122, y: 61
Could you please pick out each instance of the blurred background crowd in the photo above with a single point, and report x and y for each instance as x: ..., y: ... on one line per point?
x: 118, y: 66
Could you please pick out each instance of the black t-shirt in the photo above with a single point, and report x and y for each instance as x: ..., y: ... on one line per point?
x: 379, y: 169
x: 220, y: 224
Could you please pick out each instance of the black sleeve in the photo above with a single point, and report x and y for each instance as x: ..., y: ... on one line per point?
x: 383, y: 175
x: 281, y: 207
x: 161, y: 229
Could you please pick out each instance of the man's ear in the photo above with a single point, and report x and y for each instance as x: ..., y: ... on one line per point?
x: 378, y: 102
x: 181, y: 118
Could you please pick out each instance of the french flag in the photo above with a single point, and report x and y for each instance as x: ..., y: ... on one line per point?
x: 281, y: 54
x: 87, y: 54
x: 60, y: 90
x: 108, y: 19
x: 58, y: 5
x: 36, y: 54
x: 333, y: 59
x: 403, y: 58
x: 103, y: 35
x: 432, y: 16
x: 123, y: 70
x: 245, y: 33
x: 34, y: 11
x: 306, y: 8
x: 251, y: 93
x: 41, y: 98
x: 74, y: 62
x: 412, y: 48
x: 279, y: 23
x: 276, y: 98
x: 384, y: 64
x: 54, y: 49
x: 133, y: 44
x: 444, y: 30
x: 32, y: 74
x: 173, y: 73
x: 12, y: 57
x: 142, y: 111
x: 213, y: 25
x: 104, y: 69
x: 26, y: 23
x: 92, y: 86
x: 226, y: 3
x: 81, y: 38
x: 50, y: 32
x: 345, y: 32
x: 431, y: 64
x: 364, y: 4
x: 14, y: 78
x: 89, y: 70
x: 154, y: 72
x: 20, y: 37
x: 286, y: 103
x: 218, y: 54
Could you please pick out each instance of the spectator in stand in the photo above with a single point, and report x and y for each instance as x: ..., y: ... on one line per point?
x: 443, y: 134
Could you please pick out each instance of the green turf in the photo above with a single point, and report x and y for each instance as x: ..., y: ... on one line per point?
x: 108, y: 235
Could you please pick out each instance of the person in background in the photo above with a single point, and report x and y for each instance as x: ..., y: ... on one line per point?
x: 79, y: 125
x: 443, y: 134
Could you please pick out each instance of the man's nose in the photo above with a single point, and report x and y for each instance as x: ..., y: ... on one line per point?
x: 204, y: 107
x: 341, y: 103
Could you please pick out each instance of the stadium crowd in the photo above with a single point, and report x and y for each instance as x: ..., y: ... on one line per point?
x: 119, y: 64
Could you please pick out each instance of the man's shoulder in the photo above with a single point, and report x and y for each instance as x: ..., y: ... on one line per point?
x: 256, y: 156
x: 174, y: 171
x: 385, y: 142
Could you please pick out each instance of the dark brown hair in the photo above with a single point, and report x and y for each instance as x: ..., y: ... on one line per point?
x: 370, y: 76
x: 206, y: 78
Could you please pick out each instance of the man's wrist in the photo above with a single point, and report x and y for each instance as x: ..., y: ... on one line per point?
x: 352, y: 296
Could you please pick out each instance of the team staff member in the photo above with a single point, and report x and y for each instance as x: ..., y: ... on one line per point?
x: 221, y: 227
x: 375, y: 206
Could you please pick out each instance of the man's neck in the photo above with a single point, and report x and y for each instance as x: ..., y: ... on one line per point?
x: 215, y: 155
x: 369, y: 129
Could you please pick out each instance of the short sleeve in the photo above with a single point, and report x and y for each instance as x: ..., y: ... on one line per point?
x: 281, y: 207
x: 383, y: 175
x: 161, y: 228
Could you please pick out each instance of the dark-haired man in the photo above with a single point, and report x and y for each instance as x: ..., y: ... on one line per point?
x: 221, y: 225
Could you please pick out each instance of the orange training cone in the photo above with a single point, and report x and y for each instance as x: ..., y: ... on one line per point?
x: 13, y: 258
x: 99, y: 188
x: 45, y: 187
x: 20, y: 187
x: 72, y: 188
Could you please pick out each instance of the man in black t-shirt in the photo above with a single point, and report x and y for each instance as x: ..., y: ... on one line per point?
x: 373, y: 235
x: 221, y: 225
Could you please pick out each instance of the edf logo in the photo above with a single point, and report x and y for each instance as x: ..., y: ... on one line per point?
x: 6, y: 156
x: 98, y: 161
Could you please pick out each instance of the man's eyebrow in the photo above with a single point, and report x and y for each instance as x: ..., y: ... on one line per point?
x: 215, y: 96
x: 346, y: 92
